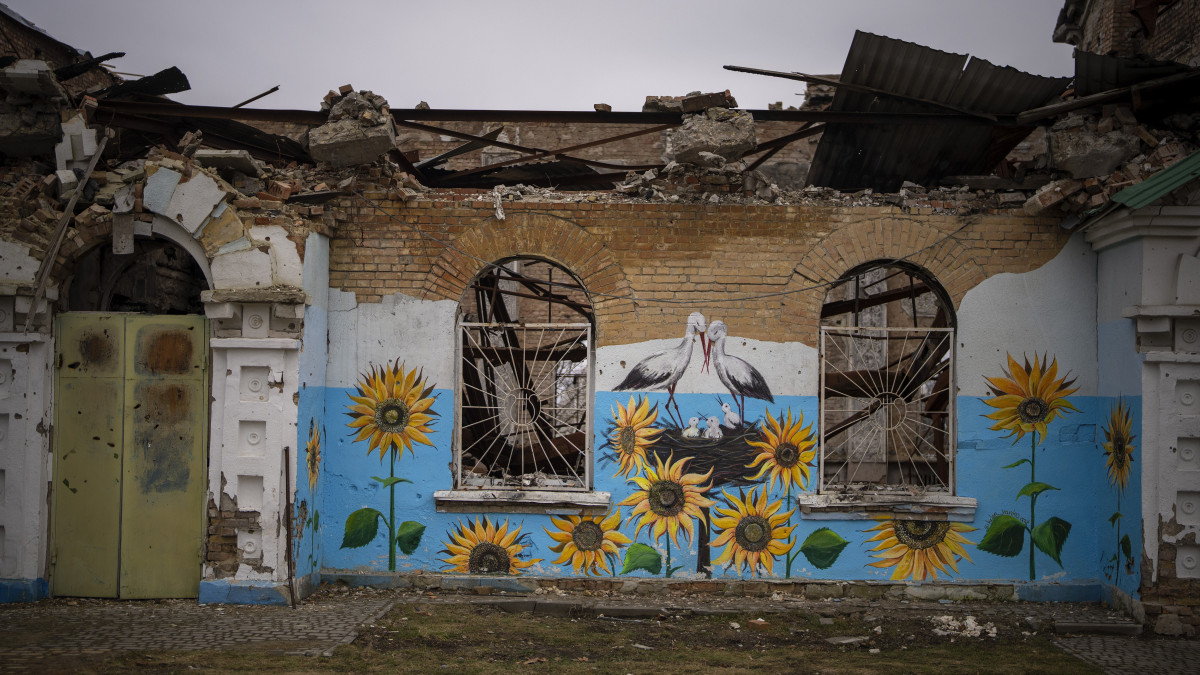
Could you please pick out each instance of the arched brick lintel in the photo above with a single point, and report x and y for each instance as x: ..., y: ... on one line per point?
x: 100, y: 232
x: 947, y: 258
x: 556, y: 239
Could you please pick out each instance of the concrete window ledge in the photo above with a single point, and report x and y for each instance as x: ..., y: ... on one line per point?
x: 523, y: 501
x: 871, y: 506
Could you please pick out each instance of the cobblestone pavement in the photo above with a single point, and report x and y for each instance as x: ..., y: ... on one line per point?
x: 1125, y: 655
x: 34, y: 636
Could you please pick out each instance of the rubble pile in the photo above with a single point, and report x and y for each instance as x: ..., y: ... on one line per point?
x: 1088, y: 156
x: 358, y: 131
x: 29, y: 117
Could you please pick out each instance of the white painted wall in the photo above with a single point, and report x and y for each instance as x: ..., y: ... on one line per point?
x: 418, y: 332
x: 1051, y: 310
x: 26, y: 383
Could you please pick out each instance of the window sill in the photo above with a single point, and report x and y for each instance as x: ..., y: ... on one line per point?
x: 492, y: 500
x: 834, y: 506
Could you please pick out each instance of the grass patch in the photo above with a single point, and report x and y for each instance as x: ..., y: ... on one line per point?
x: 465, y: 638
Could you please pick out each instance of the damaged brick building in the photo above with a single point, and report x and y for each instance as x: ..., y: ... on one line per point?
x: 246, y: 350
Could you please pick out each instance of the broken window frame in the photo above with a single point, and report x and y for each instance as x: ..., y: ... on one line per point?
x: 917, y: 366
x: 519, y: 446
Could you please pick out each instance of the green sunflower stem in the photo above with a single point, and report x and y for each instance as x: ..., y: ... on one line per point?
x: 1118, y: 571
x: 668, y: 568
x: 789, y: 557
x: 1032, y: 505
x: 392, y: 514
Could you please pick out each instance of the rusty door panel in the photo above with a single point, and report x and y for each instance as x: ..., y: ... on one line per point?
x: 89, y: 421
x: 162, y: 515
x: 131, y: 416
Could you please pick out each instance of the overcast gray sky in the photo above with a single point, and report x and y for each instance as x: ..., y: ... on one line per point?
x: 528, y: 54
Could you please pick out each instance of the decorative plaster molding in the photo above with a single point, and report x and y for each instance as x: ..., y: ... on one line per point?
x: 1152, y: 221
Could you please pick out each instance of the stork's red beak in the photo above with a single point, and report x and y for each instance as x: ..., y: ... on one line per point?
x: 706, y: 346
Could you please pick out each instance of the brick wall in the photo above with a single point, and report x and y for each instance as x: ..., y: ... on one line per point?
x: 24, y: 43
x: 1110, y: 27
x: 698, y: 256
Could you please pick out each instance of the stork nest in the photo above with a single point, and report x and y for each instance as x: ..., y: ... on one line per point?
x: 726, y: 456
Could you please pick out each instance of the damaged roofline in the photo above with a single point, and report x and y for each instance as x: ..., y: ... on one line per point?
x: 564, y: 116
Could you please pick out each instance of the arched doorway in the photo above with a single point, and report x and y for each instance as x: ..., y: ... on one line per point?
x: 131, y: 419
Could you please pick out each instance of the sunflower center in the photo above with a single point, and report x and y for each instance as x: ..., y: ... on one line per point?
x: 488, y: 558
x: 787, y: 455
x: 753, y: 533
x: 920, y: 534
x: 587, y: 536
x: 391, y: 415
x: 627, y: 441
x: 666, y: 498
x: 1032, y: 410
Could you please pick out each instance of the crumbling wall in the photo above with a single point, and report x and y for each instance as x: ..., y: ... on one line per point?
x: 25, y: 42
x: 684, y: 251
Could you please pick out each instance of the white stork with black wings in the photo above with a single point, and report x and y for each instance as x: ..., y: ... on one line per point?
x: 738, y: 376
x: 662, y: 370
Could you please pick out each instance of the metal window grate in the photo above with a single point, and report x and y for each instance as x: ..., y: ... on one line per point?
x: 523, y: 405
x: 887, y: 409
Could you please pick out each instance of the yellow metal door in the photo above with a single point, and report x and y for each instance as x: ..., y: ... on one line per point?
x: 131, y: 416
x: 89, y: 427
x: 162, y: 496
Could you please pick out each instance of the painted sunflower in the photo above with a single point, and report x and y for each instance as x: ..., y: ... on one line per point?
x: 392, y: 409
x: 752, y: 531
x: 587, y: 541
x: 785, y: 451
x: 634, y: 434
x: 668, y: 499
x: 1029, y: 398
x: 485, y: 549
x: 919, y: 549
x: 313, y: 456
x: 1118, y: 445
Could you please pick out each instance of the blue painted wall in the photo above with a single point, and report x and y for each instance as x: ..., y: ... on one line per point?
x: 1071, y: 459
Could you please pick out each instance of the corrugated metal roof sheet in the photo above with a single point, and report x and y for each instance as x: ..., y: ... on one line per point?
x: 1095, y: 73
x: 881, y: 157
x: 1160, y: 184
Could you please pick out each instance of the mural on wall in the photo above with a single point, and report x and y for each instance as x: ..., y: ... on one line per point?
x: 1118, y: 459
x: 590, y: 544
x: 312, y: 462
x: 486, y: 549
x: 919, y: 549
x: 393, y: 410
x: 1027, y: 399
x: 751, y: 530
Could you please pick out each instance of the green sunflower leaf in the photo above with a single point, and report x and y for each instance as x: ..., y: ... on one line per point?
x: 642, y: 557
x: 361, y: 528
x: 1017, y: 463
x: 1034, y: 489
x: 316, y: 520
x: 1112, y: 520
x: 1005, y: 536
x: 386, y: 482
x: 1050, y: 536
x: 1127, y: 547
x: 408, y: 536
x: 823, y: 547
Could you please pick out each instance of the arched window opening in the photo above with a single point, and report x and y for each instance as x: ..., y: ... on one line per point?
x: 159, y: 277
x: 887, y: 378
x: 525, y: 386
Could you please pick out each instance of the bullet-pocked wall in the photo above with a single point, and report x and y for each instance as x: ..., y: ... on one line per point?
x: 720, y: 473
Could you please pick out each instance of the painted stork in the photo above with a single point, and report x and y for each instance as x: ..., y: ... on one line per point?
x: 738, y: 376
x: 662, y: 370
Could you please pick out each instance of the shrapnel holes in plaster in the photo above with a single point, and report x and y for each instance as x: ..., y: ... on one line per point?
x: 1188, y: 393
x: 250, y: 493
x: 252, y: 435
x: 1188, y: 508
x: 1187, y: 562
x: 6, y: 377
x: 1189, y: 454
x: 255, y: 383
